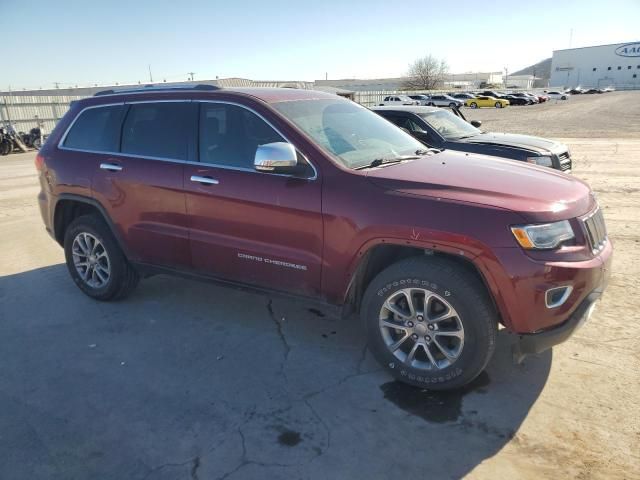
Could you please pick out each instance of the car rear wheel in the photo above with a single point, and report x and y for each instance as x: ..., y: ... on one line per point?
x: 95, y: 261
x: 473, y: 105
x: 563, y: 97
x: 430, y: 323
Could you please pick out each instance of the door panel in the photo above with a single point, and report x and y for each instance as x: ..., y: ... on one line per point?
x: 146, y: 203
x: 256, y: 228
x: 143, y: 185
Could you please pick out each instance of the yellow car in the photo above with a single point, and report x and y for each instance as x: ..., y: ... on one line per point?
x: 486, y: 102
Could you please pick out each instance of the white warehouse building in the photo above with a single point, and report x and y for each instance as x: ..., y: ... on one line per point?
x: 616, y: 65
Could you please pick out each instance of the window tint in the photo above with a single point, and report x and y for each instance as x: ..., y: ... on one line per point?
x: 161, y: 130
x: 96, y: 129
x: 230, y: 135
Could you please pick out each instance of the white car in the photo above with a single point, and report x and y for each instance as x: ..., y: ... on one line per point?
x: 396, y: 100
x: 557, y: 95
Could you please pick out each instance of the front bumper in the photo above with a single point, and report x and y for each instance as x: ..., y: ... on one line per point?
x: 539, y: 342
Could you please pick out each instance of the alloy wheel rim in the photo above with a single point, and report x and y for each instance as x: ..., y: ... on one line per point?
x: 421, y: 329
x: 91, y: 260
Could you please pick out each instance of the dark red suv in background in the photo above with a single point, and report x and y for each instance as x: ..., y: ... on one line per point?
x: 304, y: 192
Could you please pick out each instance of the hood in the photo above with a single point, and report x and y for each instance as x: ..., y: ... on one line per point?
x: 538, y: 194
x: 538, y: 144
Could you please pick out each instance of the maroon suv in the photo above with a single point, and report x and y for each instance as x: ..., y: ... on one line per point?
x: 304, y: 192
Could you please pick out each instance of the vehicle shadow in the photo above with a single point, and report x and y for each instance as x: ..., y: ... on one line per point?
x: 193, y: 380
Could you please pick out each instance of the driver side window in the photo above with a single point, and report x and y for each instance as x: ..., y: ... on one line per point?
x: 230, y: 135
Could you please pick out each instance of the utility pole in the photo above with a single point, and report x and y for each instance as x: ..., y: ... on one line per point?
x: 150, y: 76
x: 191, y: 74
x: 57, y: 84
x: 506, y: 77
x: 570, y: 36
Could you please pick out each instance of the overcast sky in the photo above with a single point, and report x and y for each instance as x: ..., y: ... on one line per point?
x: 87, y: 42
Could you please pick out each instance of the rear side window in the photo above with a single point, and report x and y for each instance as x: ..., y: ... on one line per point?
x: 163, y: 130
x: 96, y: 129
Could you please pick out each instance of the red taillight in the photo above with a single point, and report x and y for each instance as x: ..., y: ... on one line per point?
x: 39, y: 162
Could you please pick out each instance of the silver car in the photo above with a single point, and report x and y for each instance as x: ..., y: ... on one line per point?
x: 444, y: 101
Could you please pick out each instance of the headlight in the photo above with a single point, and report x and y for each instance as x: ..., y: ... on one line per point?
x: 542, y: 161
x: 548, y: 235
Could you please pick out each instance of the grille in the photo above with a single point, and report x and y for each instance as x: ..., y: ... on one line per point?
x: 565, y: 161
x: 596, y: 231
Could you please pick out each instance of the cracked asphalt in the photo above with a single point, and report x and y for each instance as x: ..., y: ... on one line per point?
x: 188, y: 380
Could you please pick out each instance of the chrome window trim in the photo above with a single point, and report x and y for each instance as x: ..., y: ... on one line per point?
x: 164, y: 159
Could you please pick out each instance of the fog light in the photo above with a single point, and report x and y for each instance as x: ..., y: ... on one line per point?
x: 557, y: 296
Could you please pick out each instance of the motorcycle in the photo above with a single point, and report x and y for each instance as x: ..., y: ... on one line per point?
x: 33, y: 139
x: 6, y: 142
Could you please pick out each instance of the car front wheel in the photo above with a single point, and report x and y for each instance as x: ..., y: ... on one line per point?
x: 498, y: 105
x: 430, y: 323
x: 95, y: 261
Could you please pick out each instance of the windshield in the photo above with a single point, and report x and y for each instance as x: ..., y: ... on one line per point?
x: 449, y: 125
x: 354, y: 135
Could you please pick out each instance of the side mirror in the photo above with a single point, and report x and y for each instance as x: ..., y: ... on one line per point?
x: 276, y: 157
x: 476, y: 123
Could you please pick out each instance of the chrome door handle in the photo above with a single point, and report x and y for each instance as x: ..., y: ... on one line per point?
x: 112, y: 167
x: 205, y: 180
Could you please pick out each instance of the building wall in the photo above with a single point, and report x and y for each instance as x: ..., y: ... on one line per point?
x: 599, y: 66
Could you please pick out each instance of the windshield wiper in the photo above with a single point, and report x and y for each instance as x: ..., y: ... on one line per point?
x: 385, y: 161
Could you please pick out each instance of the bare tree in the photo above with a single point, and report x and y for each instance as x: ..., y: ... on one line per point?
x: 426, y: 73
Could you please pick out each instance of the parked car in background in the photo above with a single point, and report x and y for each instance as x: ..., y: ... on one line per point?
x: 555, y: 95
x: 575, y: 91
x: 398, y: 100
x: 303, y: 192
x: 530, y: 100
x: 492, y: 93
x: 463, y: 96
x: 484, y: 101
x: 593, y: 90
x: 444, y: 101
x: 420, y: 99
x: 441, y: 128
x: 542, y: 98
x: 513, y: 100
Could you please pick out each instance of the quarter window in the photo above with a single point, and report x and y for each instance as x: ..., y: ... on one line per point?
x: 230, y: 135
x: 162, y: 130
x: 96, y: 130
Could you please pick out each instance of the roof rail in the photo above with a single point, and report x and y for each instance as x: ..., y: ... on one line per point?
x: 154, y: 88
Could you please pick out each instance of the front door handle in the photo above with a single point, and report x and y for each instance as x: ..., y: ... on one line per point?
x: 112, y: 167
x: 205, y: 180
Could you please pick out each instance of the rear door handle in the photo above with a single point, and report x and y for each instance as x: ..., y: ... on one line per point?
x: 112, y: 167
x: 205, y: 180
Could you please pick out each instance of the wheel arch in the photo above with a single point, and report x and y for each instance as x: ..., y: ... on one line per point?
x: 68, y: 207
x: 381, y: 255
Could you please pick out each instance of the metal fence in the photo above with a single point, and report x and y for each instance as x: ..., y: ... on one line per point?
x: 28, y: 111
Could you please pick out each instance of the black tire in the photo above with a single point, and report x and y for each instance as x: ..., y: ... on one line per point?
x: 563, y: 98
x: 473, y: 105
x: 464, y: 292
x: 452, y: 105
x: 122, y: 279
x: 498, y: 105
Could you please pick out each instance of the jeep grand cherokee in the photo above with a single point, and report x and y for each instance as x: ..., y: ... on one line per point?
x: 304, y: 192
